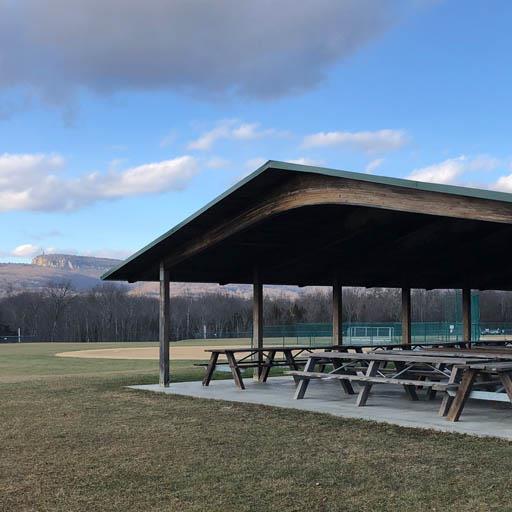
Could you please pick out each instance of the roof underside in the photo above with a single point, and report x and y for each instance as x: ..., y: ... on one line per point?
x: 304, y: 226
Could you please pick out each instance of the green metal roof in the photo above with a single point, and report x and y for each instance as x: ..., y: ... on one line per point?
x: 286, y: 166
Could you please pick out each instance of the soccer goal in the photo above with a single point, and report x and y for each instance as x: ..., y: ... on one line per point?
x: 373, y: 334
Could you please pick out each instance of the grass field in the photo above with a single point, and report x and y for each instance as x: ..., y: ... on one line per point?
x: 73, y: 438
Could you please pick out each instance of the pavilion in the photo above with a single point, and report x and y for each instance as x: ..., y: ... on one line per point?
x: 300, y: 225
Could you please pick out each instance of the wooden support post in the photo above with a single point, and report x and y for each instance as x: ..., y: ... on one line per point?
x: 164, y: 333
x: 466, y: 315
x: 406, y: 316
x: 337, y: 332
x: 257, y: 324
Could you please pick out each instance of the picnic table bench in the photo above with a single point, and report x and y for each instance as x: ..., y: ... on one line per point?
x: 409, y: 369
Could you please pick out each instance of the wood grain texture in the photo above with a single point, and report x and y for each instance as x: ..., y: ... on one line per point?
x: 321, y: 190
x: 257, y: 324
x: 164, y: 326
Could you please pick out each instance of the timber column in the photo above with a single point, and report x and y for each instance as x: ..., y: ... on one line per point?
x: 337, y: 327
x: 406, y: 316
x: 164, y: 326
x: 257, y: 322
x: 466, y: 315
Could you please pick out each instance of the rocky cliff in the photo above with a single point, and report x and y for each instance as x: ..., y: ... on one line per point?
x: 87, y: 265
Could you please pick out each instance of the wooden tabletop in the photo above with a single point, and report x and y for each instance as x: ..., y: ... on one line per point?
x: 410, y: 356
x: 492, y: 366
x: 331, y: 347
x: 265, y: 349
x: 498, y: 353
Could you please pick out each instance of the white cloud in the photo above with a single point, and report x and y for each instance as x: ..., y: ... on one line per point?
x: 306, y: 161
x: 145, y: 179
x: 258, y: 48
x: 36, y: 182
x: 17, y: 169
x: 206, y: 140
x: 251, y: 131
x: 231, y: 129
x: 368, y: 141
x: 451, y: 171
x: 26, y: 251
x: 504, y: 183
x: 446, y: 172
x: 374, y: 165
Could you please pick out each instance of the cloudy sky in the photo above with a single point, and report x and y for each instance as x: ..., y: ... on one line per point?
x: 119, y: 118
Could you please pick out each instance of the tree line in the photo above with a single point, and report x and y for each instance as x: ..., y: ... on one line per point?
x: 110, y: 313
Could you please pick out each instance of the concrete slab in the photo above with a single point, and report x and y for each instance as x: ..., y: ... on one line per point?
x: 387, y: 404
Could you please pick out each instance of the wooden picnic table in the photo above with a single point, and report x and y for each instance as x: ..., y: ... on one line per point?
x: 264, y: 359
x: 411, y: 369
x: 481, y: 385
x: 293, y: 357
x: 502, y: 391
x: 239, y: 358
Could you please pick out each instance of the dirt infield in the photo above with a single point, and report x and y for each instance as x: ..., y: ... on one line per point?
x: 195, y: 353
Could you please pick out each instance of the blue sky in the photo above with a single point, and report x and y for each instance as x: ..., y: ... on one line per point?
x: 105, y: 145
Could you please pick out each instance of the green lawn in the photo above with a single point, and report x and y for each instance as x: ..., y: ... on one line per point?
x: 73, y: 438
x: 37, y: 360
x: 29, y: 361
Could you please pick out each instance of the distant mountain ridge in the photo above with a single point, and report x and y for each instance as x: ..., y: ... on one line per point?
x: 84, y: 272
x: 87, y: 265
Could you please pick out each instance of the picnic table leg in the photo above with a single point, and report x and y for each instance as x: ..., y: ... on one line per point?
x: 303, y: 383
x: 462, y: 394
x: 212, y: 364
x: 268, y: 363
x: 431, y: 393
x: 288, y: 355
x: 235, y: 370
x: 447, y: 399
x: 290, y: 360
x: 345, y: 384
x: 373, y: 367
x: 410, y: 390
x: 506, y: 380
